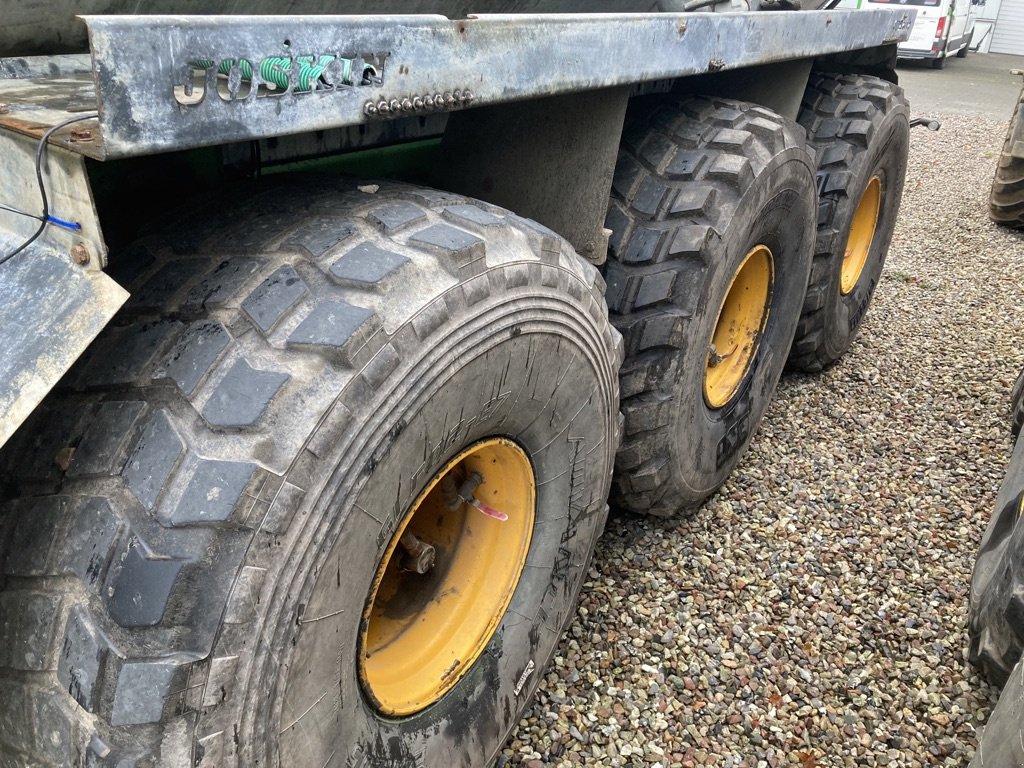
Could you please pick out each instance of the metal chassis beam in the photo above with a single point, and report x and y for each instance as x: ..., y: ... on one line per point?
x: 421, y: 64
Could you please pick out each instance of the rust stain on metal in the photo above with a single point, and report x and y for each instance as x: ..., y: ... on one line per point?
x: 80, y: 254
x: 27, y: 127
x: 91, y: 147
x: 448, y: 672
x: 81, y: 134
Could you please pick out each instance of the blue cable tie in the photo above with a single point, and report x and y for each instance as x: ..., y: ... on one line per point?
x: 66, y: 224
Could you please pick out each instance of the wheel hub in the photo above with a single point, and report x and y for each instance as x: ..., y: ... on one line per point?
x: 447, y: 577
x: 741, y: 322
x: 862, y: 232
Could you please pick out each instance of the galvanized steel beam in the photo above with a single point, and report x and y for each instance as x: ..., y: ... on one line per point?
x: 159, y: 89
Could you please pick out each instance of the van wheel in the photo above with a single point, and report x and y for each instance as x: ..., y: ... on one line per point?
x: 962, y: 53
x: 326, y: 490
x: 859, y: 130
x: 1006, y: 200
x: 712, y: 214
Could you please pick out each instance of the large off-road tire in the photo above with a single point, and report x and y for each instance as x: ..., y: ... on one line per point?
x: 858, y: 127
x: 1001, y: 744
x: 202, y: 514
x: 1017, y: 405
x: 996, y: 620
x: 1006, y: 200
x: 700, y: 185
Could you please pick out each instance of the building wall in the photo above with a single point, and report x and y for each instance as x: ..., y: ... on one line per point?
x: 1008, y: 35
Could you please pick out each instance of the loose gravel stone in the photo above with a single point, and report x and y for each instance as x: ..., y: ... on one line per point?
x: 813, y: 612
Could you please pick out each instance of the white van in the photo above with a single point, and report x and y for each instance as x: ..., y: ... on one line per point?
x: 943, y: 28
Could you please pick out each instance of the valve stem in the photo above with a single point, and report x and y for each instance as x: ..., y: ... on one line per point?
x: 466, y: 491
x: 456, y: 496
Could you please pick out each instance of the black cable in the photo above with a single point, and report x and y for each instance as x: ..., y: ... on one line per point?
x: 21, y: 213
x: 40, y: 151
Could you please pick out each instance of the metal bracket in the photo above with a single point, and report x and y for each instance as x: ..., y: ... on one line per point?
x: 67, y: 189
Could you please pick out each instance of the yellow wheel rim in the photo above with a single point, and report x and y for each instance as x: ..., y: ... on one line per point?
x: 741, y: 321
x: 862, y: 232
x: 421, y: 632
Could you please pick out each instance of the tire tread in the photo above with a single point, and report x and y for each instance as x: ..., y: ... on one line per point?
x: 699, y: 155
x: 841, y: 113
x: 1006, y: 199
x: 218, y: 378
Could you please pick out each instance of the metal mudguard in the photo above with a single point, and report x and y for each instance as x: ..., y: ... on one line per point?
x: 50, y: 310
x: 51, y: 305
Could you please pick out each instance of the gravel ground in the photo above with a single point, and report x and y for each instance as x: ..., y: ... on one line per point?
x: 812, y: 613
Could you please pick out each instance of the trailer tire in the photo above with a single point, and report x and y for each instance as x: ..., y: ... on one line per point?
x: 699, y: 186
x: 201, y: 535
x: 1017, y: 405
x: 858, y: 127
x: 996, y: 616
x: 1001, y: 739
x: 1006, y: 200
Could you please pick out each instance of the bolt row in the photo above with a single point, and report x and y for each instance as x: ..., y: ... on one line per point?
x: 418, y: 103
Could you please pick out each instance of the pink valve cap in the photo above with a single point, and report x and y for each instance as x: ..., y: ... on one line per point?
x: 489, y: 511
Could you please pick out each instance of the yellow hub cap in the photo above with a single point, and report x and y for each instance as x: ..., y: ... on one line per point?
x: 741, y: 321
x: 447, y: 577
x: 862, y: 232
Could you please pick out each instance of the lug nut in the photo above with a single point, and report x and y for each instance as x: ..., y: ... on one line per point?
x: 420, y: 556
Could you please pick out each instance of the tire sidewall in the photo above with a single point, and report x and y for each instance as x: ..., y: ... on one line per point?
x: 778, y: 211
x: 884, y: 156
x: 994, y: 612
x: 499, y: 373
